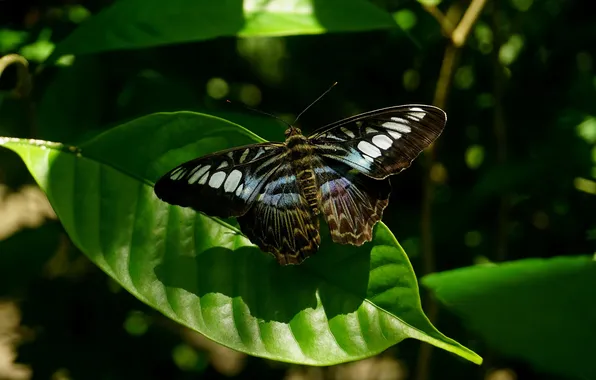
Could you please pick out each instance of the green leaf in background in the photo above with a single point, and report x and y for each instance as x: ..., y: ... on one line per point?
x: 343, y: 304
x: 11, y: 39
x: 134, y: 24
x: 539, y: 310
x: 430, y: 3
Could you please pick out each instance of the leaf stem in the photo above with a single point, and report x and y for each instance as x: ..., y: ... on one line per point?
x: 23, y: 86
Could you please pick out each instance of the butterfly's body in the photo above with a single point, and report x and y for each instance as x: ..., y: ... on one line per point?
x: 302, y: 157
x: 278, y: 190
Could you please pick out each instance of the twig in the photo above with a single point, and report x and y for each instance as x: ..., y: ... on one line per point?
x: 446, y: 76
x: 460, y: 34
x: 443, y: 21
x: 23, y: 86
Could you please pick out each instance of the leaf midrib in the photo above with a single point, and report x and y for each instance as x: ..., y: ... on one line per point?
x: 61, y: 148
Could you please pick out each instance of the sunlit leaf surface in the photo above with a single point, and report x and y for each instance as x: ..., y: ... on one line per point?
x: 343, y: 304
x: 133, y: 24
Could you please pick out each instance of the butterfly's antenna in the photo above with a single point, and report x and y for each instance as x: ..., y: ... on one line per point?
x: 316, y: 100
x: 262, y: 112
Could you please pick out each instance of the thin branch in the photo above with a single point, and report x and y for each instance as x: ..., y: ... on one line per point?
x: 443, y: 21
x: 460, y: 34
x: 445, y: 76
x: 23, y: 86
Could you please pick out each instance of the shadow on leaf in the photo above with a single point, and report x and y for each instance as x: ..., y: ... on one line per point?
x: 336, y: 278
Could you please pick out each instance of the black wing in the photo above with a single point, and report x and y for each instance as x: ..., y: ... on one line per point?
x: 280, y: 220
x: 382, y: 142
x: 221, y: 184
x: 351, y: 202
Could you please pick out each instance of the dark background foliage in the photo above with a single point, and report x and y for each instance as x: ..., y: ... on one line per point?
x: 513, y: 175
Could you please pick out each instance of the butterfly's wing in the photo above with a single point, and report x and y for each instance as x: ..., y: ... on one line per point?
x: 221, y: 184
x: 382, y: 142
x: 358, y: 153
x: 351, y: 202
x: 281, y: 221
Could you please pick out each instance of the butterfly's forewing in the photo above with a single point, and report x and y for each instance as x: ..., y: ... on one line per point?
x: 382, y: 142
x: 280, y: 220
x: 222, y: 184
x: 351, y: 202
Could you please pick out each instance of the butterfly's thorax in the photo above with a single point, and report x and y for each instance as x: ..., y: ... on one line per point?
x: 301, y: 156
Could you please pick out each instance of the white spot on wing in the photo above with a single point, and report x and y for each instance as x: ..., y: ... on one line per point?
x: 239, y: 190
x: 417, y: 113
x: 400, y: 125
x: 222, y: 165
x: 395, y: 135
x: 368, y: 148
x: 259, y: 153
x: 331, y: 136
x: 391, y: 125
x: 371, y: 130
x: 217, y: 179
x: 232, y: 181
x: 198, y: 173
x: 368, y: 158
x: 203, y: 179
x: 193, y: 171
x: 348, y: 132
x: 244, y: 155
x: 356, y: 157
x: 382, y: 141
x: 178, y: 173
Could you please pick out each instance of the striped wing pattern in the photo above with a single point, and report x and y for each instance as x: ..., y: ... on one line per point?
x: 281, y: 221
x: 277, y: 190
x: 382, y: 142
x: 222, y: 184
x: 352, y: 203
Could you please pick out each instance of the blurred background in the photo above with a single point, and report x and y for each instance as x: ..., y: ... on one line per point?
x: 512, y: 177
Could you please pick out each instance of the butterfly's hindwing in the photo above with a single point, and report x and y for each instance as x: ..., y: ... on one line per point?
x: 351, y: 202
x: 280, y: 220
x: 222, y: 184
x: 277, y: 190
x: 381, y: 142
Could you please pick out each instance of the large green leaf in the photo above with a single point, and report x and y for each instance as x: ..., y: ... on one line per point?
x: 133, y: 24
x: 539, y: 310
x: 343, y: 304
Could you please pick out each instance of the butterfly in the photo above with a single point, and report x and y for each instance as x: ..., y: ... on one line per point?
x: 277, y: 191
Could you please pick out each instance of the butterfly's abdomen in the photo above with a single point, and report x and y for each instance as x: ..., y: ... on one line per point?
x: 301, y: 155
